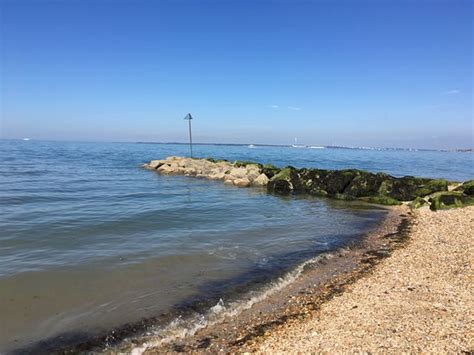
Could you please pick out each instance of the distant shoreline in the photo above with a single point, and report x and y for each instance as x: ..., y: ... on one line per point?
x: 256, y: 145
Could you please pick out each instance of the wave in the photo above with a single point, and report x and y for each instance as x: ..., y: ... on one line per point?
x: 183, y: 327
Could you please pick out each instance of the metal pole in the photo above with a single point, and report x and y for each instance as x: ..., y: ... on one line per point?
x: 190, y: 139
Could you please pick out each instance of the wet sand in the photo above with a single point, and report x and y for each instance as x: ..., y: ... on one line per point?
x: 418, y: 300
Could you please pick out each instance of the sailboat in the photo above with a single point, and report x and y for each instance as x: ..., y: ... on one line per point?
x: 296, y: 145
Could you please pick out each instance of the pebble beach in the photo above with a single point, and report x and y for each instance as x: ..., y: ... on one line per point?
x: 419, y: 299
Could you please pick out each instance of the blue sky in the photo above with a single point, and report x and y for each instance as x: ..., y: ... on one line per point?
x: 371, y: 73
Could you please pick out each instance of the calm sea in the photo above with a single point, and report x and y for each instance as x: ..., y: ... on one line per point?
x: 90, y: 241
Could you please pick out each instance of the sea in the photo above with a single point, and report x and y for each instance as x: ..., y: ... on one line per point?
x: 91, y: 242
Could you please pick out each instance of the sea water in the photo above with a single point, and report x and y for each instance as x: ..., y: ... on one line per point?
x: 90, y: 241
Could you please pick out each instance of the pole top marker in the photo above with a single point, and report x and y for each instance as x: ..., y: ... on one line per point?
x: 188, y: 117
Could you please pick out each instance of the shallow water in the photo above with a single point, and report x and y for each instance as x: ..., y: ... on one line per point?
x: 90, y: 241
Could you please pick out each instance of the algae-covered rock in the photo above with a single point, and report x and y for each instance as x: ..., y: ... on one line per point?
x: 346, y: 184
x: 343, y: 197
x: 418, y: 202
x: 212, y: 160
x: 240, y: 163
x: 431, y: 186
x: 286, y: 181
x: 365, y: 184
x: 402, y: 189
x: 314, y: 181
x: 326, y: 182
x: 453, y: 199
x: 408, y: 188
x: 381, y: 200
x: 337, y: 181
x: 269, y: 170
x: 467, y: 187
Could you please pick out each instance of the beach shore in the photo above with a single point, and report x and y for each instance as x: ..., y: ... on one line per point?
x: 407, y: 289
x: 418, y: 300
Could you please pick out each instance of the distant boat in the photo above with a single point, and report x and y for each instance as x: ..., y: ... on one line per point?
x: 252, y: 146
x: 26, y: 139
x: 316, y: 147
x: 296, y: 145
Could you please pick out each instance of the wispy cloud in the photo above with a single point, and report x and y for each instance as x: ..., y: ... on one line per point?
x: 452, y: 92
x: 294, y: 108
x: 273, y: 106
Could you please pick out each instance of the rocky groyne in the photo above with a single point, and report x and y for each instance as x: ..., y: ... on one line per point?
x: 346, y: 184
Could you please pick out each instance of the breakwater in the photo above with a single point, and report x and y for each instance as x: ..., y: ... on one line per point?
x: 349, y: 184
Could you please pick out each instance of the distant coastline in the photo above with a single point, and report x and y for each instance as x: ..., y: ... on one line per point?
x: 253, y: 145
x: 256, y: 145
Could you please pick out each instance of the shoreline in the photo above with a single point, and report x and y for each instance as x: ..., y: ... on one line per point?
x: 243, y: 306
x: 319, y: 281
x: 418, y: 300
x: 190, y: 312
x: 409, y: 292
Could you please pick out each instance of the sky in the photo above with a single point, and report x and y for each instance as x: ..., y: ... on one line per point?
x: 356, y: 73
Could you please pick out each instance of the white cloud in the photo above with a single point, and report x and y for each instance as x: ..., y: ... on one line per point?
x: 452, y: 92
x: 273, y: 106
x: 294, y: 108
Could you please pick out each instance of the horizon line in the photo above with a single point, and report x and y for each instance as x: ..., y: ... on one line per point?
x: 300, y: 146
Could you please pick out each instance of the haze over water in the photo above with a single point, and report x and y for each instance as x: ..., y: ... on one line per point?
x: 90, y: 241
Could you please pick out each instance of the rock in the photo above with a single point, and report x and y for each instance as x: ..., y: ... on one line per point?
x: 346, y: 184
x: 174, y: 166
x: 239, y: 163
x: 365, y: 184
x: 217, y: 176
x: 261, y: 180
x: 431, y: 186
x: 381, y: 200
x: 253, y: 171
x: 190, y: 171
x: 408, y: 188
x: 446, y: 200
x: 467, y: 188
x: 244, y: 182
x: 418, y: 202
x: 269, y: 170
x: 286, y: 181
x: 154, y: 164
x: 228, y: 177
x: 165, y: 169
x: 238, y: 173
